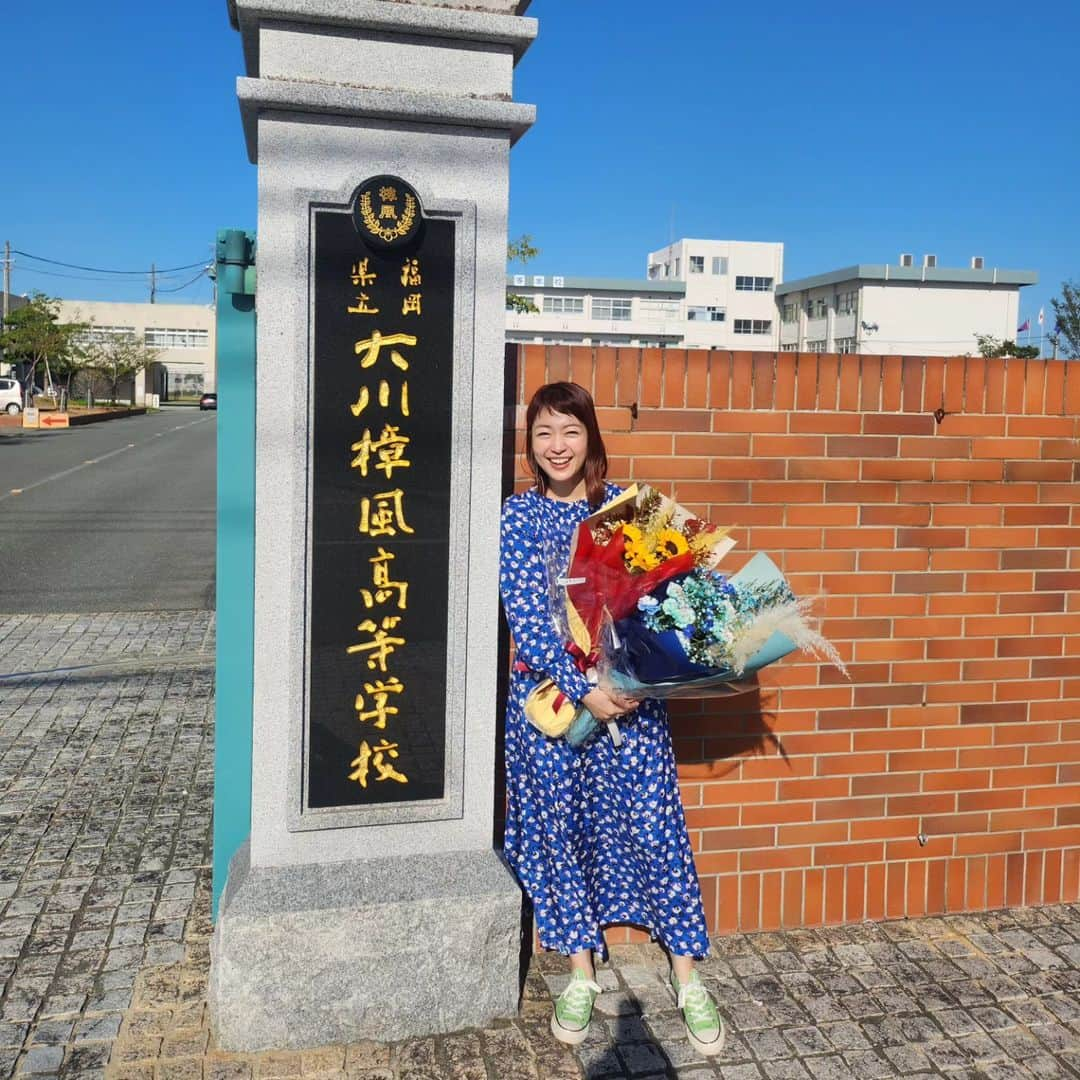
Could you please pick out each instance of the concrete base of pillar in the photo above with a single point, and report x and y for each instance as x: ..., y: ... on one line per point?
x: 382, y: 949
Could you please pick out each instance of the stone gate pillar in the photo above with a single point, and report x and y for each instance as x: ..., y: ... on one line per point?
x: 368, y: 902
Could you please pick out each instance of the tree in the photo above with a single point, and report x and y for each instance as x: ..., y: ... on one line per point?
x: 119, y: 357
x: 1067, y: 316
x: 33, y: 334
x: 521, y: 251
x: 992, y: 346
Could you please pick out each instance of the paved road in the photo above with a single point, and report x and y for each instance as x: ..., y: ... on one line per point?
x: 116, y: 516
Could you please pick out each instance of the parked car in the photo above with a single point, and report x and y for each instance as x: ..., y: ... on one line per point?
x: 11, y: 400
x: 208, y: 401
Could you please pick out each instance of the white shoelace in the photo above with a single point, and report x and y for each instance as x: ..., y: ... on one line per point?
x: 694, y: 998
x: 577, y: 999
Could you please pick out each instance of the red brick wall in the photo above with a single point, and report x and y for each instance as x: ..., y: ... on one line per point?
x: 947, y: 557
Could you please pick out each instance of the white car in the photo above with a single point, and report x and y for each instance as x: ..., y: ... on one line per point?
x: 11, y: 400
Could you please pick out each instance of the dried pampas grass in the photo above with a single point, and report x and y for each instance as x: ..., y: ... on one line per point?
x: 791, y: 618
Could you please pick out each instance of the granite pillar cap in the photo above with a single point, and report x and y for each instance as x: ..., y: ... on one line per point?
x: 497, y: 24
x: 282, y: 95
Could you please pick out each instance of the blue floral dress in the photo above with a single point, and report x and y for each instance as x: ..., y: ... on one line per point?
x: 597, y: 835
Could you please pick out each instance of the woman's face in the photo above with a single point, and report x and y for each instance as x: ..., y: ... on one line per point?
x: 560, y: 445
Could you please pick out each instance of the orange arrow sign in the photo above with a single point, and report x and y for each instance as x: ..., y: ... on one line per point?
x: 54, y: 420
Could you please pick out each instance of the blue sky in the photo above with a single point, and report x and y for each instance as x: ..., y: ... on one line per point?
x: 849, y: 131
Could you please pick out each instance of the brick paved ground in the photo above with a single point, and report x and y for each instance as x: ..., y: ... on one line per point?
x: 105, y: 797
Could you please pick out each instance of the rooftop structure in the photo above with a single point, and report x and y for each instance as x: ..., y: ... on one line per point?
x: 923, y: 310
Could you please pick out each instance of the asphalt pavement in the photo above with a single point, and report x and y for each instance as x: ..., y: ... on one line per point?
x: 116, y: 516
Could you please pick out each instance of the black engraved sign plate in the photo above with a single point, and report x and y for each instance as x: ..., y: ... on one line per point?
x: 380, y: 500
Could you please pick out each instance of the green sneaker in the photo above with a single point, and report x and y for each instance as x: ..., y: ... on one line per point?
x: 573, y: 1009
x: 704, y: 1028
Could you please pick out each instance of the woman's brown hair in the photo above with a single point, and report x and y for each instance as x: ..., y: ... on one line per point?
x: 571, y: 400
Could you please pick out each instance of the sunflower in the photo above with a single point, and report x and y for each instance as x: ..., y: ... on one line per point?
x: 671, y: 543
x: 636, y: 553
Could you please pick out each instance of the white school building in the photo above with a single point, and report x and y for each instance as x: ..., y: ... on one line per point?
x: 901, y: 309
x: 183, y: 335
x: 696, y: 294
x: 726, y: 294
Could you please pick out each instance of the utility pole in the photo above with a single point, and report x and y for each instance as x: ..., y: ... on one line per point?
x: 7, y: 276
x: 153, y: 282
x: 7, y: 288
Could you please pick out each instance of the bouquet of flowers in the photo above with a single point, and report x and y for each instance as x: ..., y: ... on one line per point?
x: 644, y: 611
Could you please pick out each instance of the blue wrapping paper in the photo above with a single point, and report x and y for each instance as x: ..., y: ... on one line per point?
x: 645, y: 663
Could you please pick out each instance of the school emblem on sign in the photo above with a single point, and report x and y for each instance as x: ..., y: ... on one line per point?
x: 387, y: 212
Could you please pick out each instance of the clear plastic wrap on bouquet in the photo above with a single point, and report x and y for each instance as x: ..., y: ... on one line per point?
x: 703, y: 635
x: 644, y: 611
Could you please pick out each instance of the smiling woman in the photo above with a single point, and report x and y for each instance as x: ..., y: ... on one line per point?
x: 595, y: 835
x: 565, y: 451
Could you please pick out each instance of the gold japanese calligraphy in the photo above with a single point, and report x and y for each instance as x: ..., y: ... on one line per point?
x: 410, y: 274
x: 380, y: 695
x: 389, y: 448
x: 362, y: 306
x: 387, y: 301
x: 361, y: 275
x: 364, y: 399
x: 371, y: 349
x: 384, y: 514
x: 381, y: 645
x: 376, y: 757
x: 383, y: 588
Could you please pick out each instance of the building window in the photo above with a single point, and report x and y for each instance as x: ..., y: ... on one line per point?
x: 846, y: 302
x: 845, y: 345
x: 159, y: 337
x: 697, y: 264
x: 817, y: 345
x: 748, y: 283
x: 719, y: 264
x: 706, y: 314
x: 658, y: 309
x: 753, y: 326
x: 717, y: 314
x: 654, y: 270
x: 815, y: 309
x: 678, y: 265
x: 563, y: 305
x: 99, y: 335
x: 793, y: 347
x: 791, y: 313
x: 606, y: 307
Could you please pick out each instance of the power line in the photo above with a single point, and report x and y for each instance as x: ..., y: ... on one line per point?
x: 60, y: 274
x: 99, y: 269
x: 180, y: 288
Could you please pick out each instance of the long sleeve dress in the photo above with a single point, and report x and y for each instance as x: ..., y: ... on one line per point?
x: 595, y: 835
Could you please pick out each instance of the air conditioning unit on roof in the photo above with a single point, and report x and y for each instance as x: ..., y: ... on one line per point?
x: 977, y: 262
x: 907, y: 260
x: 929, y: 262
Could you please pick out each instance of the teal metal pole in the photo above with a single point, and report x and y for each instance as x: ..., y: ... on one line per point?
x: 235, y: 547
